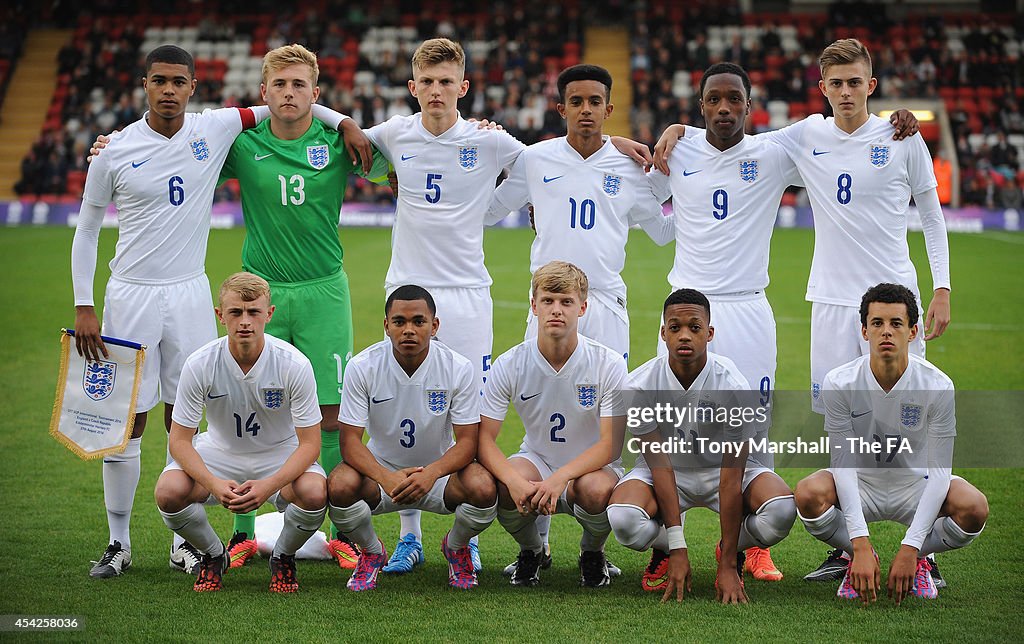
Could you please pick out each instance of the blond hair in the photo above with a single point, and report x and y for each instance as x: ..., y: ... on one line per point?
x: 436, y: 51
x: 246, y: 285
x: 560, y: 277
x: 287, y: 55
x: 844, y: 52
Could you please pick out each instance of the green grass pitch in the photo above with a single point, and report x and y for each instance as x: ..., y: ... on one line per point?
x: 53, y: 521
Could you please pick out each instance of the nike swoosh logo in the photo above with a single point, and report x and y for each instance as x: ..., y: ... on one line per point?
x: 687, y: 173
x: 657, y: 584
x: 550, y: 179
x: 411, y: 156
x: 377, y: 402
x: 818, y: 154
x: 863, y: 413
x: 212, y: 397
x: 260, y: 158
x: 524, y: 398
x: 140, y: 163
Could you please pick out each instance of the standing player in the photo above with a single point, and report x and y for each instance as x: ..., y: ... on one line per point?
x: 755, y: 505
x: 293, y: 171
x: 161, y: 173
x: 585, y: 195
x: 897, y: 410
x: 264, y: 430
x: 567, y: 390
x: 726, y: 189
x: 411, y: 395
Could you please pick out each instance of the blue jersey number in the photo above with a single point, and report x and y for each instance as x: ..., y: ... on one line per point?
x: 409, y: 433
x: 585, y: 213
x: 559, y: 424
x: 251, y: 426
x: 433, y: 194
x: 844, y: 183
x: 720, y: 202
x: 766, y: 391
x: 174, y: 190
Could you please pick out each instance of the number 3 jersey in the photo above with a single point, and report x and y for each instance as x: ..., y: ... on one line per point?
x: 163, y: 190
x: 725, y: 204
x: 409, y: 418
x: 248, y: 412
x: 292, y: 191
x: 561, y: 410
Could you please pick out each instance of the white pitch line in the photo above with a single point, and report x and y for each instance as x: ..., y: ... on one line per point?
x: 1009, y: 238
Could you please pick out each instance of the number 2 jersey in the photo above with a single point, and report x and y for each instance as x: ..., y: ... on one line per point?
x: 409, y: 418
x: 248, y: 412
x: 163, y: 189
x: 561, y: 410
x: 292, y: 191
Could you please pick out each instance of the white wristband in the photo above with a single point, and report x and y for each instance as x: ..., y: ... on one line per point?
x: 676, y: 541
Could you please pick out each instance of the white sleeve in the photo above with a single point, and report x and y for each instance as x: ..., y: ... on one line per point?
x: 355, y: 399
x: 83, y: 252
x: 614, y: 382
x: 189, y: 401
x: 661, y: 188
x: 936, y: 243
x: 465, y: 405
x: 690, y: 132
x: 839, y: 427
x: 789, y: 137
x: 647, y: 214
x: 236, y: 119
x: 378, y: 135
x: 508, y: 149
x: 497, y: 391
x: 327, y: 116
x: 305, y: 410
x: 512, y: 194
x: 941, y: 432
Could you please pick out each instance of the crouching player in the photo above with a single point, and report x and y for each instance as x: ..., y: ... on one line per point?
x: 755, y: 505
x: 264, y: 430
x: 891, y: 422
x: 410, y: 395
x: 567, y: 390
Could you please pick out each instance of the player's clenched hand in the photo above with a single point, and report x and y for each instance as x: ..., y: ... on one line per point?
x: 522, y: 492
x: 545, y: 499
x: 729, y: 588
x: 865, y: 576
x: 634, y: 150
x: 101, y: 142
x: 663, y: 148
x: 679, y: 579
x: 252, y: 495
x: 905, y: 122
x: 88, y: 342
x: 901, y: 573
x: 224, y: 491
x: 414, y: 487
x: 937, y: 318
x: 357, y: 145
x: 392, y: 480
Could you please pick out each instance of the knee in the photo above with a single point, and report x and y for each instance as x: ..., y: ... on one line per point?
x: 973, y: 512
x: 169, y: 498
x: 811, y: 497
x: 504, y: 497
x: 481, y: 490
x: 627, y: 522
x: 592, y: 491
x: 776, y: 517
x: 312, y: 492
x: 343, y: 486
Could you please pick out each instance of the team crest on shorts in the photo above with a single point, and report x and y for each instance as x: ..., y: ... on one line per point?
x: 586, y: 396
x: 98, y: 378
x: 437, y: 401
x: 611, y: 184
x: 273, y: 397
x: 879, y: 155
x: 200, y: 148
x: 816, y: 391
x: 318, y: 156
x: 910, y: 416
x: 468, y: 156
x: 748, y: 170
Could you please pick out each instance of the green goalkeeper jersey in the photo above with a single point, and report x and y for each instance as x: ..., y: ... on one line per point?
x: 292, y: 191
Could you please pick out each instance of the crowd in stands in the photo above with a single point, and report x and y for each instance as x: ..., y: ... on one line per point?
x: 515, y: 51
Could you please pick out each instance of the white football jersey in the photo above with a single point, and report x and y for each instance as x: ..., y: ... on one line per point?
x: 561, y: 410
x: 163, y: 190
x: 444, y: 185
x: 859, y: 186
x: 725, y: 204
x: 918, y: 409
x: 719, y: 386
x: 583, y: 208
x: 248, y: 412
x: 409, y: 418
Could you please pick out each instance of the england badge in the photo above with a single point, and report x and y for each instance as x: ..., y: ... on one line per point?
x: 200, y: 149
x: 98, y: 378
x: 318, y: 156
